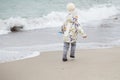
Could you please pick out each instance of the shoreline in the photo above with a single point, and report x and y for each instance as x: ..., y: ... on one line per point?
x: 16, y: 55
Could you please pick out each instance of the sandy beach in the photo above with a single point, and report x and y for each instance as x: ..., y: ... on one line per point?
x: 89, y: 64
x: 35, y: 52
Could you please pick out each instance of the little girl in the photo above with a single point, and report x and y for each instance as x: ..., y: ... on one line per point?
x: 70, y: 30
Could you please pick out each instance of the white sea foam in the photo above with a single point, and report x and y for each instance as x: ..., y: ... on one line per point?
x: 6, y: 56
x: 17, y: 53
x: 56, y: 19
x: 99, y: 12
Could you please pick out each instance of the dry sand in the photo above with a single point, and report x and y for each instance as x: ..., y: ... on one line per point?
x: 90, y: 64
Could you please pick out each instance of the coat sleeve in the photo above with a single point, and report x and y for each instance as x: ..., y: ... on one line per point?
x: 81, y: 31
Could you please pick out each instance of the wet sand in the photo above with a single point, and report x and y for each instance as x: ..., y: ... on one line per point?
x: 89, y: 64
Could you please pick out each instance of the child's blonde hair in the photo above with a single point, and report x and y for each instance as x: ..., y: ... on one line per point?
x: 70, y: 7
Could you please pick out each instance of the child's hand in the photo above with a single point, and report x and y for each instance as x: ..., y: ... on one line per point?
x: 84, y: 36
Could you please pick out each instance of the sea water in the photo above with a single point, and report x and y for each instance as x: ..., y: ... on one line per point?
x: 42, y: 20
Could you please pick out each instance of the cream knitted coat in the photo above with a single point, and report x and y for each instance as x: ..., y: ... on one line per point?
x: 71, y: 28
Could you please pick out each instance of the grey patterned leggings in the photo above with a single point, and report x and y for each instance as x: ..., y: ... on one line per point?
x: 66, y: 48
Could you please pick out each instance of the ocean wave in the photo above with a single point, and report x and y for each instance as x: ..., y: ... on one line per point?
x: 56, y: 19
x: 98, y: 12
